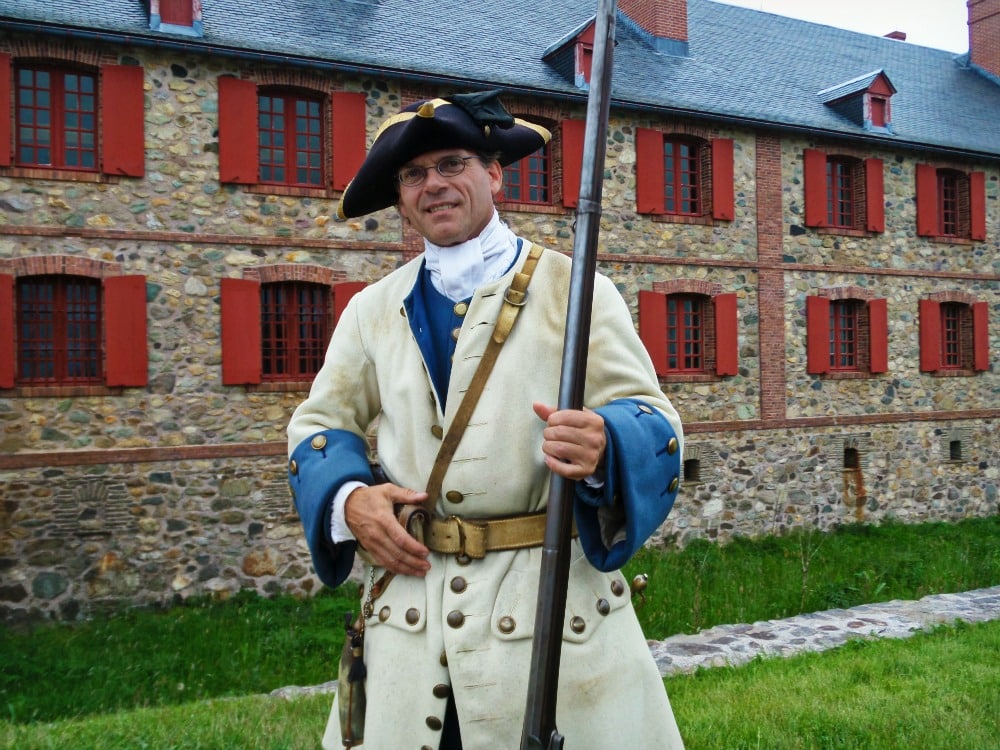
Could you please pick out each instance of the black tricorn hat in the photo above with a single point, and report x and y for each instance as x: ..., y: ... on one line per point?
x: 477, y: 122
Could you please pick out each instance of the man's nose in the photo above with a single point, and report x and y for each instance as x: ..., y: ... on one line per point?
x: 434, y: 180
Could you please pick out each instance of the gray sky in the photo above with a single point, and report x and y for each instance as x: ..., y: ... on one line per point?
x: 941, y: 24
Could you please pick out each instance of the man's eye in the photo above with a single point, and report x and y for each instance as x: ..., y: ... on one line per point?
x: 451, y: 163
x: 413, y: 174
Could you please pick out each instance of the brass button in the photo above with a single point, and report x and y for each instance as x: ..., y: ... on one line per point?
x: 412, y: 616
x: 383, y: 614
x: 456, y: 619
x: 458, y: 584
x: 434, y: 723
x: 578, y: 624
x: 318, y: 442
x: 617, y: 587
x: 441, y: 690
x: 603, y: 607
x: 674, y: 484
x: 455, y: 332
x: 443, y: 659
x: 293, y: 466
x: 645, y: 408
x: 672, y: 446
x: 460, y: 309
x: 437, y: 431
x: 426, y: 747
x: 506, y: 624
x: 454, y: 496
x: 402, y: 311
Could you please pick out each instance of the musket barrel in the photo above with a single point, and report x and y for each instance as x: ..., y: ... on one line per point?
x: 539, y: 731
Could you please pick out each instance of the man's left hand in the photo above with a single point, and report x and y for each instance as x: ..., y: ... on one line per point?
x: 573, y: 440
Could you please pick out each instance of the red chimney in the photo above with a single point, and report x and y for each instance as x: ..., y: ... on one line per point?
x: 664, y: 19
x: 984, y: 34
x: 900, y: 35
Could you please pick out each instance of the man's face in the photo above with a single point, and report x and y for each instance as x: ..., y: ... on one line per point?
x: 450, y: 210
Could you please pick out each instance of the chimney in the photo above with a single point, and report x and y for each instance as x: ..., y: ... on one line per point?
x: 664, y: 20
x: 984, y: 35
x: 900, y: 35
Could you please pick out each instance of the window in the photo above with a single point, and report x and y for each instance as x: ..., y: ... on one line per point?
x: 291, y: 140
x: 54, y: 115
x: 954, y: 336
x: 58, y: 330
x: 295, y: 329
x: 951, y: 204
x: 529, y: 180
x: 683, y: 176
x: 71, y: 330
x: 687, y: 332
x: 879, y: 111
x: 846, y: 334
x: 842, y: 192
x: 56, y: 118
x: 300, y: 139
x: 177, y: 12
x: 276, y: 326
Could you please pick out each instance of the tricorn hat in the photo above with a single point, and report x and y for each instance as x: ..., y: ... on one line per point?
x: 477, y: 122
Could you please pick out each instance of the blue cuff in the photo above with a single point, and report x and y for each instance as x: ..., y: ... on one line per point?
x: 318, y: 467
x: 642, y: 476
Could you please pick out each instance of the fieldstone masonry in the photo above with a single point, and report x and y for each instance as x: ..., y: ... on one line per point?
x: 117, y: 497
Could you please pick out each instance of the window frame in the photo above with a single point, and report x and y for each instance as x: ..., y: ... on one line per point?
x: 292, y: 314
x: 951, y: 204
x: 685, y: 329
x: 825, y: 334
x: 291, y: 99
x: 59, y: 112
x: 867, y: 184
x: 845, y: 335
x: 524, y: 168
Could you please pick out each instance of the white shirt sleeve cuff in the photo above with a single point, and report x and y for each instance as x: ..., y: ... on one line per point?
x: 339, y: 530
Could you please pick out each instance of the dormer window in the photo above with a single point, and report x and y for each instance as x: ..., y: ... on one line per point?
x: 863, y: 100
x: 573, y: 56
x: 176, y: 16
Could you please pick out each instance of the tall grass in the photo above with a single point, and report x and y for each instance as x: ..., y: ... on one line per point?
x: 761, y: 579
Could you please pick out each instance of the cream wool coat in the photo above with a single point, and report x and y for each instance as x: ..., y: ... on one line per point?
x: 611, y: 694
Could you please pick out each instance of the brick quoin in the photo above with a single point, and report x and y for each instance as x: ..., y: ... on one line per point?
x: 984, y: 34
x: 666, y: 19
x: 771, y: 282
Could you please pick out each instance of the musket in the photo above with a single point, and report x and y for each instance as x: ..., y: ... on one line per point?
x: 539, y: 731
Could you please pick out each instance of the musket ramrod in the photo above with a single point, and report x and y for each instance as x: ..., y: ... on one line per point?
x: 539, y: 731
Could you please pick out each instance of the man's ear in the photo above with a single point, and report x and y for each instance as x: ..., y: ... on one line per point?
x: 496, y: 177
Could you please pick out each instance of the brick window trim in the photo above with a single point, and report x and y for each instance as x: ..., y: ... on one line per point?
x: 124, y: 326
x: 242, y: 362
x: 120, y: 89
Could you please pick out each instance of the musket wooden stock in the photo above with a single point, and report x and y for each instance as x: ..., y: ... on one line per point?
x: 539, y: 732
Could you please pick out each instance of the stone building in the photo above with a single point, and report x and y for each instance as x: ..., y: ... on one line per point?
x: 805, y: 221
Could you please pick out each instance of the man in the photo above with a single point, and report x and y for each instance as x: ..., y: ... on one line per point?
x: 448, y: 638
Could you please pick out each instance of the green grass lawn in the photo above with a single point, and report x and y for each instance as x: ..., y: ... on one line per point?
x: 188, y: 676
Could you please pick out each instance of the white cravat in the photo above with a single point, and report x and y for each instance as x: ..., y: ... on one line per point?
x: 458, y: 270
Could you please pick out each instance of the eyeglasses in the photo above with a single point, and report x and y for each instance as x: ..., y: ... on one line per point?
x: 449, y: 166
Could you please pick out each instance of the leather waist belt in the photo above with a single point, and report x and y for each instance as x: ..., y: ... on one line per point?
x: 472, y: 538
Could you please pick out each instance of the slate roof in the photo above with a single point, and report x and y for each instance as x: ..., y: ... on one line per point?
x: 743, y: 65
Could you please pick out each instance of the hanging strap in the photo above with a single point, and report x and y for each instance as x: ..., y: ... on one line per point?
x: 513, y: 300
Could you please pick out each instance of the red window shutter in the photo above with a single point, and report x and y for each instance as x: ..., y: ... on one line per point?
x: 723, y: 190
x: 981, y: 336
x: 653, y: 327
x: 814, y: 177
x: 874, y: 196
x: 123, y: 148
x: 125, y: 341
x: 927, y: 218
x: 649, y: 176
x: 930, y: 335
x: 7, y: 354
x: 241, y: 337
x: 817, y: 335
x: 342, y: 294
x: 726, y: 340
x: 6, y: 117
x: 878, y: 325
x: 348, y: 136
x: 238, y: 138
x: 977, y: 205
x: 572, y: 160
